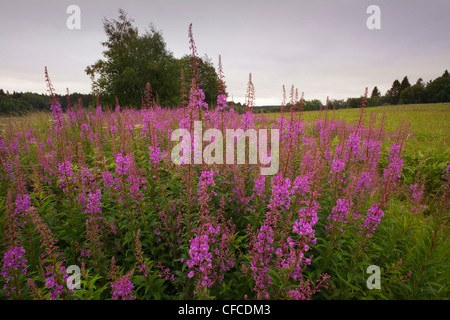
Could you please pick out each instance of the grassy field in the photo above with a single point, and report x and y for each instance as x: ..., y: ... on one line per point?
x: 99, y: 190
x: 427, y: 149
x: 429, y: 123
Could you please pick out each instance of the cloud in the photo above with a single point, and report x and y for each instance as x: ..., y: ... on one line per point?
x: 323, y: 48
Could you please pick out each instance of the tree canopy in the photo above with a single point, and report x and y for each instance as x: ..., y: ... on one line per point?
x: 132, y: 60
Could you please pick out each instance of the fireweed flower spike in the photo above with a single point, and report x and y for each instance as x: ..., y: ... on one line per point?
x: 122, y: 288
x: 141, y: 264
x: 14, y: 269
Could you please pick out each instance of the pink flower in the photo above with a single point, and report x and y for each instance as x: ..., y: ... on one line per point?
x: 122, y: 288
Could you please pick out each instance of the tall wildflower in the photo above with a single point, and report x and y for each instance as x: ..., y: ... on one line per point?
x: 372, y: 220
x: 94, y: 228
x: 55, y: 273
x: 14, y: 269
x: 281, y: 194
x: 155, y: 155
x: 205, y: 181
x: 57, y: 117
x: 140, y: 261
x: 66, y: 175
x: 200, y: 255
x: 200, y: 259
x: 122, y: 288
x: 262, y: 251
x: 339, y: 215
x: 248, y: 117
x: 122, y: 164
x: 196, y: 94
x: 221, y: 89
x: 417, y: 190
x: 6, y: 166
x: 210, y: 252
x: 23, y: 203
x: 282, y: 241
x: 392, y: 173
x: 12, y: 224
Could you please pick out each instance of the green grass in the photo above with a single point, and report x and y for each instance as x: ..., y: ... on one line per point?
x: 430, y: 123
x: 411, y: 250
x: 426, y: 152
x: 427, y: 149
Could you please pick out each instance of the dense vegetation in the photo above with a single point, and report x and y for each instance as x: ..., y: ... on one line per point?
x: 358, y: 208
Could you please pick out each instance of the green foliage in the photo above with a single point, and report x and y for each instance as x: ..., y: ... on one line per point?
x: 132, y: 60
x: 208, y: 80
x: 19, y: 103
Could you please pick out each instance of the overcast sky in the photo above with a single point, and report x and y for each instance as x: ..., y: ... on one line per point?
x: 322, y: 47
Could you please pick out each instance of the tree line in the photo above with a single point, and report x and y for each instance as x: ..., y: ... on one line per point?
x: 434, y: 91
x: 20, y: 103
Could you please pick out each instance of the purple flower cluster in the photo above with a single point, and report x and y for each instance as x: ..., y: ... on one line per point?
x: 372, y: 220
x: 98, y: 112
x: 57, y: 117
x: 304, y: 229
x: 205, y: 181
x: 23, y: 202
x: 94, y: 204
x: 122, y: 288
x: 247, y: 121
x: 337, y: 165
x: 281, y: 194
x: 339, y: 215
x: 392, y: 173
x: 54, y: 281
x: 14, y: 264
x: 262, y: 251
x: 417, y: 193
x: 86, y: 132
x: 200, y: 259
x: 446, y: 175
x: 108, y: 179
x: 364, y: 184
x: 373, y: 148
x: 259, y: 187
x: 210, y: 255
x: 155, y: 155
x: 197, y: 99
x: 221, y: 102
x: 66, y: 176
x: 353, y: 147
x: 122, y: 164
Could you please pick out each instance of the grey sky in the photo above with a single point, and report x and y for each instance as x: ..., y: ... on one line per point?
x: 321, y: 47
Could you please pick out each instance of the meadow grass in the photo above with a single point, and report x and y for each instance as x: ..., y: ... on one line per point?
x: 429, y: 123
x: 99, y: 184
x: 427, y: 147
